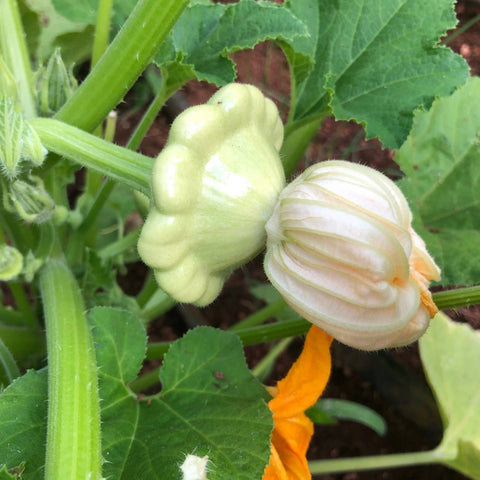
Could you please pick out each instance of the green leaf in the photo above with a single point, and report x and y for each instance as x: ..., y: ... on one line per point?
x: 450, y: 353
x: 23, y: 413
x: 74, y: 38
x: 81, y: 11
x: 15, y: 475
x: 375, y: 62
x: 120, y: 345
x: 8, y: 368
x: 346, y: 410
x: 206, y: 33
x: 209, y: 405
x: 440, y: 161
x: 100, y: 287
x: 85, y: 11
x: 300, y: 51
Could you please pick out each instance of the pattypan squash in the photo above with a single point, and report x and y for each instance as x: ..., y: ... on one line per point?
x: 214, y: 186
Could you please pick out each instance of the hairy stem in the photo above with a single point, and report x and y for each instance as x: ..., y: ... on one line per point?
x: 73, y: 431
x: 116, y: 162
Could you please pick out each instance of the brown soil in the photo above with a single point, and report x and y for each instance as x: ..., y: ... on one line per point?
x: 391, y: 383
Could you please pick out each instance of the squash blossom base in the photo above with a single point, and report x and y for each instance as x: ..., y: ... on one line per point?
x: 214, y: 186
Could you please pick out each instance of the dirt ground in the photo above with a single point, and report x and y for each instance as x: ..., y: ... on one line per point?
x: 392, y: 383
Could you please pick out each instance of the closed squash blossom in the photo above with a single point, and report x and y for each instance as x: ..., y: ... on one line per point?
x: 342, y: 252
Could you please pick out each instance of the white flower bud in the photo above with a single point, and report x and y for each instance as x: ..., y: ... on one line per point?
x: 343, y: 254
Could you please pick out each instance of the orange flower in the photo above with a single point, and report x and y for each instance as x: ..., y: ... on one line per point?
x: 297, y: 392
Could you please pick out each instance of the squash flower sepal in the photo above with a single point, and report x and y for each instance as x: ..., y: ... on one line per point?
x: 214, y: 186
x: 342, y: 252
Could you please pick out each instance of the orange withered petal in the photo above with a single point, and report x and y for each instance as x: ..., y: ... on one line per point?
x: 297, y: 392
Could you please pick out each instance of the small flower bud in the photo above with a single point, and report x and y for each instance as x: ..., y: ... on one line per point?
x: 343, y: 254
x: 11, y: 262
x: 29, y: 200
x: 19, y: 142
x: 55, y: 85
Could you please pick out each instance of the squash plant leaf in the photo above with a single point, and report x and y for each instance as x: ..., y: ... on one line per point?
x: 75, y: 38
x: 374, y: 62
x: 8, y: 367
x: 6, y: 475
x: 85, y: 11
x: 23, y: 412
x: 210, y: 404
x: 448, y: 351
x: 440, y: 160
x: 206, y: 33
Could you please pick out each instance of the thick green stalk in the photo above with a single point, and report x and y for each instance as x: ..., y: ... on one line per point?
x: 375, y: 462
x: 15, y: 53
x: 116, y: 162
x: 123, y: 62
x: 73, y: 432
